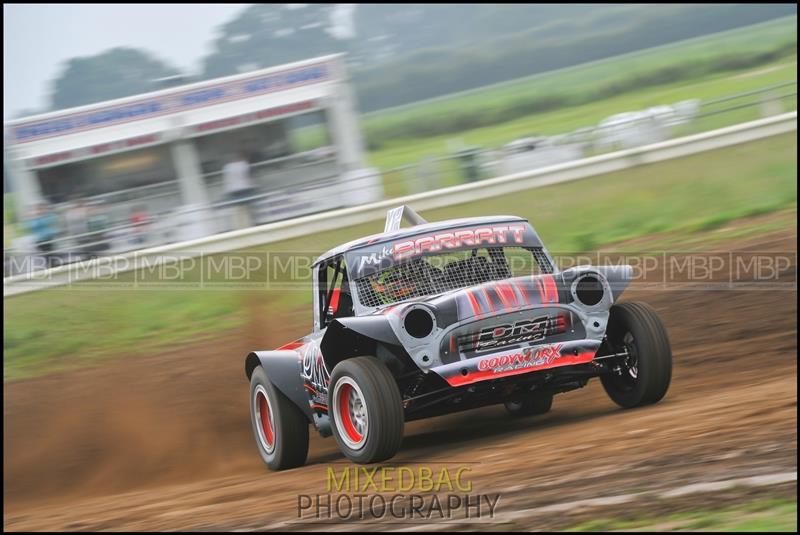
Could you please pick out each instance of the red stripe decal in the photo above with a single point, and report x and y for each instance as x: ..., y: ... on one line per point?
x: 551, y: 291
x: 539, y: 287
x: 523, y: 289
x: 499, y: 291
x: 488, y: 299
x: 512, y: 295
x: 476, y: 308
x: 291, y: 345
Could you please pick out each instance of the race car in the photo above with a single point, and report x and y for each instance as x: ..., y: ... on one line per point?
x: 442, y: 317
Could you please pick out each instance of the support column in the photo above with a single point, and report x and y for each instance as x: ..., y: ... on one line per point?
x: 344, y: 130
x: 190, y: 174
x: 194, y: 219
x: 360, y: 185
x: 24, y: 184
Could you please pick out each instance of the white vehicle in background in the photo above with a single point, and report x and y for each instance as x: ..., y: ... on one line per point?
x: 633, y: 129
x: 533, y: 152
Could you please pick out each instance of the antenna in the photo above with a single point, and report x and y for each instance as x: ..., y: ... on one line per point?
x: 396, y: 215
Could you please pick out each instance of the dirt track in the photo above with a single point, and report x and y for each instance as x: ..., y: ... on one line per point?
x: 164, y: 442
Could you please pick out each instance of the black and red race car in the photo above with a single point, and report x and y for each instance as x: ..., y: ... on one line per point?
x: 444, y: 317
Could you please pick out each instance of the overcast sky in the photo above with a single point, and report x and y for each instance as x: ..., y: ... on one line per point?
x: 38, y: 38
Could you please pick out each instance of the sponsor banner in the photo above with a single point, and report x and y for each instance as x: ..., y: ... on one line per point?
x: 179, y: 101
x: 86, y: 152
x: 151, y: 139
x: 247, y: 118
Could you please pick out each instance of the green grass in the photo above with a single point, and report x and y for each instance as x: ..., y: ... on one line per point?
x: 65, y: 327
x: 763, y: 515
x: 686, y: 194
x: 402, y: 152
x: 759, y: 38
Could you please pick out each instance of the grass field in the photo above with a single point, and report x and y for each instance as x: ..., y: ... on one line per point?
x: 779, y: 515
x: 760, y: 37
x: 403, y: 152
x: 67, y: 327
x: 578, y: 85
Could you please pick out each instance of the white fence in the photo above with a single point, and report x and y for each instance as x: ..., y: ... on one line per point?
x: 273, y: 232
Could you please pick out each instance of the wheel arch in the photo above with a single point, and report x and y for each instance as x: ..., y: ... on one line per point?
x: 371, y: 336
x: 283, y: 370
x: 618, y: 277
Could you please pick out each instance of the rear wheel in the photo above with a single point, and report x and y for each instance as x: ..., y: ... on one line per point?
x: 366, y: 410
x: 530, y: 404
x: 641, y: 373
x: 280, y: 427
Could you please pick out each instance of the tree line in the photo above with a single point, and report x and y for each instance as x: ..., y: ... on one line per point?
x: 400, y: 54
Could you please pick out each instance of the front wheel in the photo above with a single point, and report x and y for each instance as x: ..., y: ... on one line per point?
x: 366, y: 410
x: 641, y: 372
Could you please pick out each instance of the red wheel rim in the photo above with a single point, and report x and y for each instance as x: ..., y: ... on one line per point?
x: 267, y: 430
x: 344, y: 413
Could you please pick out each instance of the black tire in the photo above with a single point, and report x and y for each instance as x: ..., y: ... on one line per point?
x: 644, y: 377
x: 530, y: 404
x: 289, y: 427
x: 366, y: 410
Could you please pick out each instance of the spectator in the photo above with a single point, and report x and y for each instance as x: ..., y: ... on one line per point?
x: 254, y: 153
x: 76, y: 220
x: 44, y: 227
x: 238, y: 187
x: 96, y: 223
x: 139, y: 221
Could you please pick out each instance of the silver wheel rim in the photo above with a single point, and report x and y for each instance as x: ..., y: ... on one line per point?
x: 350, y: 413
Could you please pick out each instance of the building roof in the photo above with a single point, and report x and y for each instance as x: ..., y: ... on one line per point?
x: 203, y: 84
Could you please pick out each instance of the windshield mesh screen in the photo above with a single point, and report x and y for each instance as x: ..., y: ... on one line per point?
x: 438, y: 273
